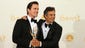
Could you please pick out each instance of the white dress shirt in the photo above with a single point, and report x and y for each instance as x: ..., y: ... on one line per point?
x: 33, y: 26
x: 45, y: 30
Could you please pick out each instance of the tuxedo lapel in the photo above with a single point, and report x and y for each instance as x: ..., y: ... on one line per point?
x: 51, y: 31
x: 41, y: 32
x: 49, y: 35
x: 29, y: 26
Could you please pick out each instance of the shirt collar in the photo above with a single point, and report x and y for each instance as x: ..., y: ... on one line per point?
x: 47, y: 23
x: 28, y: 17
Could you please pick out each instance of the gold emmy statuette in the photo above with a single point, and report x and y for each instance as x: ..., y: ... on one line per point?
x: 34, y: 32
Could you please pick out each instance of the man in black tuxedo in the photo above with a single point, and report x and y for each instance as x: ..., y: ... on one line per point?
x: 24, y: 27
x: 49, y: 31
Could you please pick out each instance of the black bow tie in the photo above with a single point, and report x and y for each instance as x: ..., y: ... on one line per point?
x: 32, y: 20
x: 49, y: 25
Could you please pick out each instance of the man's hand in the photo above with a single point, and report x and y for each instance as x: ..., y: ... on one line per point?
x: 24, y: 17
x: 35, y: 43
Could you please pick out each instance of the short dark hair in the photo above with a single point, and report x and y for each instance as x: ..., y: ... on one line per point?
x: 30, y: 5
x: 48, y: 9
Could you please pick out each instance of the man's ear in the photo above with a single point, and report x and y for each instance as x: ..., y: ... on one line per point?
x: 24, y: 17
x: 28, y: 10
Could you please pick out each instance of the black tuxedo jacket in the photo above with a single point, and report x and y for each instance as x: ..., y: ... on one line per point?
x: 53, y: 36
x: 21, y: 33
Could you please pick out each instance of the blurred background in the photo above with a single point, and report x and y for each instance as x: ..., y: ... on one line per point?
x: 70, y: 14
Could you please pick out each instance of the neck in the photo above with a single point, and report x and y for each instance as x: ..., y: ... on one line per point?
x: 31, y: 16
x: 48, y: 22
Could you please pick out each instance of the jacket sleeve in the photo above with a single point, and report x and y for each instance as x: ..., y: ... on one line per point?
x: 17, y: 35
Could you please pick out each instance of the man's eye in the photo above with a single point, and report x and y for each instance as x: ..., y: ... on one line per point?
x: 34, y: 8
x: 52, y: 14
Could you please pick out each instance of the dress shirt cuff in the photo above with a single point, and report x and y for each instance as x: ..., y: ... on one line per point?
x: 30, y: 44
x: 40, y: 43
